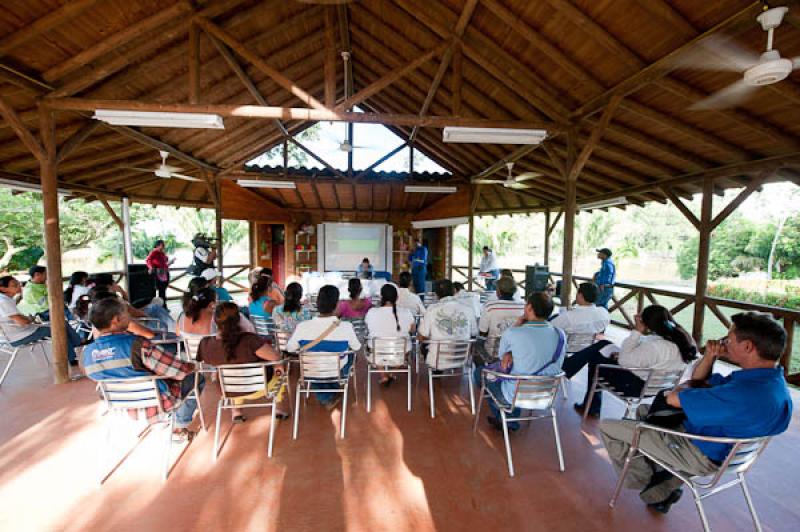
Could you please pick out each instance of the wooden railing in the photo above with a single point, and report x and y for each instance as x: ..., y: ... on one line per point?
x: 630, y: 299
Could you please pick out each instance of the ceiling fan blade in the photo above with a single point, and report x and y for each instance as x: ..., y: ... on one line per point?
x: 185, y: 177
x: 170, y: 169
x: 717, y: 53
x: 796, y: 62
x: 147, y: 170
x: 489, y: 181
x: 526, y: 176
x: 519, y: 186
x: 730, y: 96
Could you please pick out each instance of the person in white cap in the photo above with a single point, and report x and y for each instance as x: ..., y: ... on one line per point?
x: 211, y: 275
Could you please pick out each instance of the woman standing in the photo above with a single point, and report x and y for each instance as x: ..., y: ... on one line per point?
x: 355, y: 307
x: 158, y: 266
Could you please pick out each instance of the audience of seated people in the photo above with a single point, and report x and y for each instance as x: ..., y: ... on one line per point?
x: 233, y: 344
x: 406, y: 298
x: 657, y: 342
x: 389, y: 321
x: 447, y: 319
x: 287, y: 315
x: 78, y: 286
x: 584, y: 320
x: 531, y: 347
x: 34, y: 294
x: 199, y: 307
x: 327, y: 334
x: 748, y: 403
x: 260, y: 303
x: 470, y: 299
x: 500, y: 314
x: 117, y: 354
x: 211, y: 276
x: 356, y: 307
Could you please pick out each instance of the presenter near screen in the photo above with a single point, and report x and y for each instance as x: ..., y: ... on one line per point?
x: 365, y: 269
x: 419, y: 264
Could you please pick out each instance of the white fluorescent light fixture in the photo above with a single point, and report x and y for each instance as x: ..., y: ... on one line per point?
x: 29, y: 187
x: 151, y: 119
x: 483, y: 135
x: 432, y: 190
x: 259, y: 183
x: 442, y: 222
x: 622, y: 200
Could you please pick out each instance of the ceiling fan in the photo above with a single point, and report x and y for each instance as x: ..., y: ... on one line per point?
x: 512, y: 181
x: 756, y: 70
x: 165, y: 171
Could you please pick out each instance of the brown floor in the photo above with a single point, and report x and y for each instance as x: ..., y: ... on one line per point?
x: 394, y: 471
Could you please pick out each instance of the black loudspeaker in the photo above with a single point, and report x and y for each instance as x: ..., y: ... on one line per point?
x: 142, y: 285
x: 536, y: 279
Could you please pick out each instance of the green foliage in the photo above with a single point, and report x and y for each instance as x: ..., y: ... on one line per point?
x: 789, y: 299
x: 22, y: 260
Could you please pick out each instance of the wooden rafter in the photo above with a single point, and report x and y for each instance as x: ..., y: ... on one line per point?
x: 594, y: 138
x: 330, y: 58
x: 42, y: 25
x: 193, y: 58
x: 74, y: 142
x: 27, y: 138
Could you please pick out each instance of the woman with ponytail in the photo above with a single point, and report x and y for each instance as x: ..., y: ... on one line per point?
x: 356, y: 307
x: 198, y: 314
x: 291, y: 311
x: 657, y: 342
x: 389, y: 321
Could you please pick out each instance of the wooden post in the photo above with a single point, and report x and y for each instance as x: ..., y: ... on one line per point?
x: 52, y: 241
x: 570, y: 208
x: 547, y: 237
x: 127, y: 242
x: 218, y: 229
x: 469, y: 250
x: 289, y: 263
x: 703, y: 252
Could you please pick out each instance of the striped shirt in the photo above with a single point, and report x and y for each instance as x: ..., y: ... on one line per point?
x: 499, y: 315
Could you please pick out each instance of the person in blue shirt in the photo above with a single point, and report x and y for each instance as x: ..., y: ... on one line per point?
x: 751, y: 402
x: 605, y: 278
x: 365, y: 270
x: 419, y: 265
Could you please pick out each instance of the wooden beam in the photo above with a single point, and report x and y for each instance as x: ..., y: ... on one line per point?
x: 238, y: 47
x: 555, y: 159
x: 77, y: 138
x: 316, y: 157
x: 13, y: 76
x: 570, y: 209
x: 161, y: 145
x: 27, y: 138
x: 110, y: 211
x: 703, y: 254
x: 193, y: 58
x: 457, y: 66
x: 380, y: 161
x: 594, y: 138
x: 330, y: 58
x: 41, y: 25
x: 754, y: 185
x: 681, y: 206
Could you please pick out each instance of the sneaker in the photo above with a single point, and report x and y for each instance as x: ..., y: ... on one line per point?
x: 664, y: 506
x: 498, y: 425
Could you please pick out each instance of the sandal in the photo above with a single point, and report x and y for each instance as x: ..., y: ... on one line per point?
x: 281, y: 415
x: 239, y: 419
x: 182, y: 435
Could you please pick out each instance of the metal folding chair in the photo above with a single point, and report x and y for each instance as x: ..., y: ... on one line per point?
x: 250, y: 380
x: 452, y: 358
x: 264, y: 326
x: 13, y: 351
x: 183, y: 352
x: 154, y: 324
x: 319, y: 367
x: 654, y: 381
x: 388, y: 355
x: 575, y: 342
x: 742, y: 456
x: 531, y: 392
x: 281, y: 345
x: 428, y: 298
x: 121, y: 395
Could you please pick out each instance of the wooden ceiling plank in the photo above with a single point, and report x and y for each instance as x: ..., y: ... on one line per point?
x: 594, y: 138
x: 41, y: 25
x: 75, y: 141
x: 329, y: 65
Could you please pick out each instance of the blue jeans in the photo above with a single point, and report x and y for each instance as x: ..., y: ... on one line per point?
x: 605, y: 296
x: 185, y: 412
x: 496, y: 388
x: 328, y: 397
x: 73, y: 340
x: 161, y: 314
x: 491, y: 282
x: 418, y: 275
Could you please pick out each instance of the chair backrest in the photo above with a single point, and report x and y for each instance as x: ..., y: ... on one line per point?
x: 126, y: 394
x: 322, y: 365
x: 360, y: 328
x: 389, y: 351
x: 492, y: 346
x: 535, y: 392
x: 743, y: 454
x: 450, y: 354
x: 484, y: 297
x: 243, y: 378
x: 282, y: 339
x: 153, y: 324
x: 264, y: 326
x: 429, y: 298
x: 191, y: 342
x: 658, y: 380
x: 579, y: 341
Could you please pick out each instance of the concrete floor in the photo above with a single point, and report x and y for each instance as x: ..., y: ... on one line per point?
x: 394, y: 471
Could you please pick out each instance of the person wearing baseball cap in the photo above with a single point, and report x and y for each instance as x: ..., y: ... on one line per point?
x: 605, y: 278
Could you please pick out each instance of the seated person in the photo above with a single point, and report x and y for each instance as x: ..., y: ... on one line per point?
x: 153, y: 308
x: 389, y: 321
x: 519, y: 295
x: 533, y: 347
x: 500, y: 314
x: 335, y: 337
x: 98, y: 294
x: 584, y: 319
x: 108, y: 284
x: 657, y: 342
x: 274, y: 291
x: 292, y: 311
x: 78, y: 286
x: 34, y: 295
x: 21, y: 330
x: 365, y: 269
x: 195, y: 284
x: 471, y: 299
x: 406, y: 298
x: 447, y: 319
x: 260, y: 303
x: 749, y: 403
x: 234, y: 345
x: 211, y: 276
x: 117, y: 354
x: 199, y: 308
x: 356, y: 307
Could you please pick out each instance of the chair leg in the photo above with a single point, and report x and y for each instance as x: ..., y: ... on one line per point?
x: 355, y: 380
x: 750, y: 505
x: 196, y: 392
x: 369, y: 389
x: 298, y: 392
x: 430, y: 393
x: 104, y: 452
x: 622, y: 476
x: 271, y: 431
x: 565, y: 388
x: 508, y: 444
x: 409, y: 388
x: 44, y: 354
x: 558, y: 441
x: 344, y: 411
x: 471, y: 394
x: 8, y: 365
x: 478, y: 412
x: 700, y: 510
x: 216, y: 431
x: 170, y: 429
x: 288, y: 385
x: 588, y: 404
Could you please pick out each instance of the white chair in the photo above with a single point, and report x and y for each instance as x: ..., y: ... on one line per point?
x: 576, y: 342
x: 264, y: 326
x: 531, y: 392
x: 451, y: 358
x: 388, y: 355
x: 182, y: 352
x: 121, y: 395
x: 281, y: 344
x: 249, y: 379
x: 13, y: 351
x: 740, y: 459
x: 154, y: 324
x: 654, y: 382
x: 319, y: 367
x: 428, y: 298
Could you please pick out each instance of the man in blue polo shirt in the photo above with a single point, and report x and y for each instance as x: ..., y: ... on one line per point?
x: 749, y: 403
x: 605, y: 278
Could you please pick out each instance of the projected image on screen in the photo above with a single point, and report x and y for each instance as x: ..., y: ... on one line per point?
x: 346, y: 245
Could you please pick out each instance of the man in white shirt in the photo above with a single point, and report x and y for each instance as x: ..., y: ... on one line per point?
x: 470, y: 299
x: 489, y: 269
x: 406, y: 298
x: 339, y: 336
x: 500, y: 314
x: 447, y: 319
x: 585, y: 320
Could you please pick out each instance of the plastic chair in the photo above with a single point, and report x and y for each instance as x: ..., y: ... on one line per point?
x: 388, y: 355
x: 453, y: 358
x: 742, y: 456
x: 321, y: 367
x: 654, y: 381
x: 531, y: 392
x: 13, y: 351
x: 249, y: 379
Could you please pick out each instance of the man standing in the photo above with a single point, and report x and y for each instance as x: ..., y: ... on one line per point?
x: 752, y: 402
x: 419, y: 265
x: 489, y: 268
x: 605, y: 278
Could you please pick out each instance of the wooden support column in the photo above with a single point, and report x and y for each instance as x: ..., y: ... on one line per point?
x: 194, y: 64
x: 570, y: 210
x: 547, y: 236
x: 127, y: 240
x: 703, y: 252
x: 476, y: 194
x: 52, y: 242
x: 288, y: 239
x: 218, y: 219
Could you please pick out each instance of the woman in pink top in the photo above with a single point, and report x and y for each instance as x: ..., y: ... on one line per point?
x: 355, y: 307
